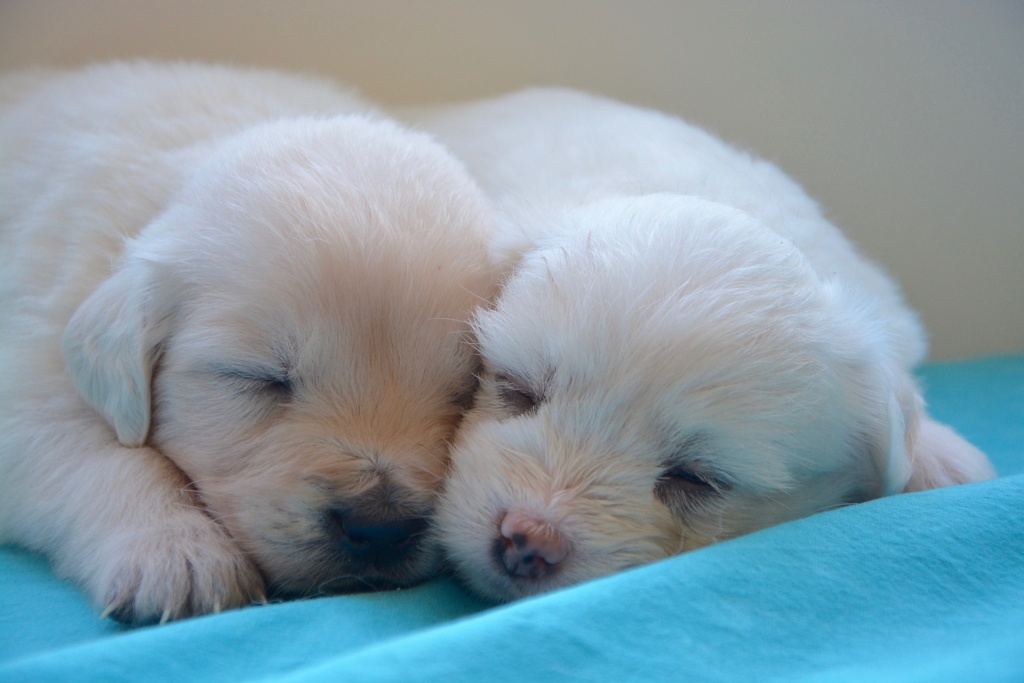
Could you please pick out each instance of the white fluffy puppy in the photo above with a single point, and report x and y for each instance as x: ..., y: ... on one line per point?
x: 233, y: 343
x: 686, y: 351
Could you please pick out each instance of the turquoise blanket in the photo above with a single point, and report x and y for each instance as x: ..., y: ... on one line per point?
x: 920, y: 587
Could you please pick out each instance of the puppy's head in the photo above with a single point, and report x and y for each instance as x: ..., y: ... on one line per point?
x: 292, y: 333
x: 668, y: 375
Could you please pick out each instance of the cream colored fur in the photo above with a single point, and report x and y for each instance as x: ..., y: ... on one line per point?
x: 234, y: 335
x: 686, y: 351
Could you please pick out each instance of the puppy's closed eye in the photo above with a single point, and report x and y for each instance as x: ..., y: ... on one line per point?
x: 686, y: 479
x: 519, y: 399
x: 260, y: 381
x: 685, y: 488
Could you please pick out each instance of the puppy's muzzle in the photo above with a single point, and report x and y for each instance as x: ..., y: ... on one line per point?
x: 371, y: 540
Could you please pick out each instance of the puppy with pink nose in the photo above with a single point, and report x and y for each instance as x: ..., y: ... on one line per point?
x: 684, y: 351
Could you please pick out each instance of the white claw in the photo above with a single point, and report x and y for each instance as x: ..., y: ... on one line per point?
x: 165, y: 616
x: 216, y: 606
x: 107, y: 612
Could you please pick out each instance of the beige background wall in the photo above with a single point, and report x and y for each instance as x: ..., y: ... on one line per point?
x: 904, y: 118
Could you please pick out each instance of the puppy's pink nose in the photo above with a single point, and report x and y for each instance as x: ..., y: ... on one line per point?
x: 528, y: 548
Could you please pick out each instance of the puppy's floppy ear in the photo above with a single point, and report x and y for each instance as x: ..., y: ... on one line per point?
x: 924, y: 454
x: 903, y: 405
x: 885, y: 402
x: 111, y: 345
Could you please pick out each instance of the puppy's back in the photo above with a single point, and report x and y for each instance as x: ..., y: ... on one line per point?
x: 123, y: 136
x: 540, y: 152
x: 118, y: 123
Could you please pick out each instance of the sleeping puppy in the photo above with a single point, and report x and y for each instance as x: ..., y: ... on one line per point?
x: 686, y: 351
x: 234, y: 340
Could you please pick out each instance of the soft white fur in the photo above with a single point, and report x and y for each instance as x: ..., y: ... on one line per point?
x: 707, y: 354
x: 234, y: 332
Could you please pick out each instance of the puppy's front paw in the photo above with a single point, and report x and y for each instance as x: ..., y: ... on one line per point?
x: 184, y: 567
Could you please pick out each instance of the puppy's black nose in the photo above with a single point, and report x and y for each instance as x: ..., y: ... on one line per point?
x: 373, y: 540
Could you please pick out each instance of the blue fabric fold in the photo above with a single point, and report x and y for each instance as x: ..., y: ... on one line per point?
x: 920, y: 587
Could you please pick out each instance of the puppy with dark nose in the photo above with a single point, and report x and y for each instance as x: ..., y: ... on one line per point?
x: 235, y: 342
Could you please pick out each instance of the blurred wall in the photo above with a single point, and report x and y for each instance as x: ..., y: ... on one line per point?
x: 904, y: 119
